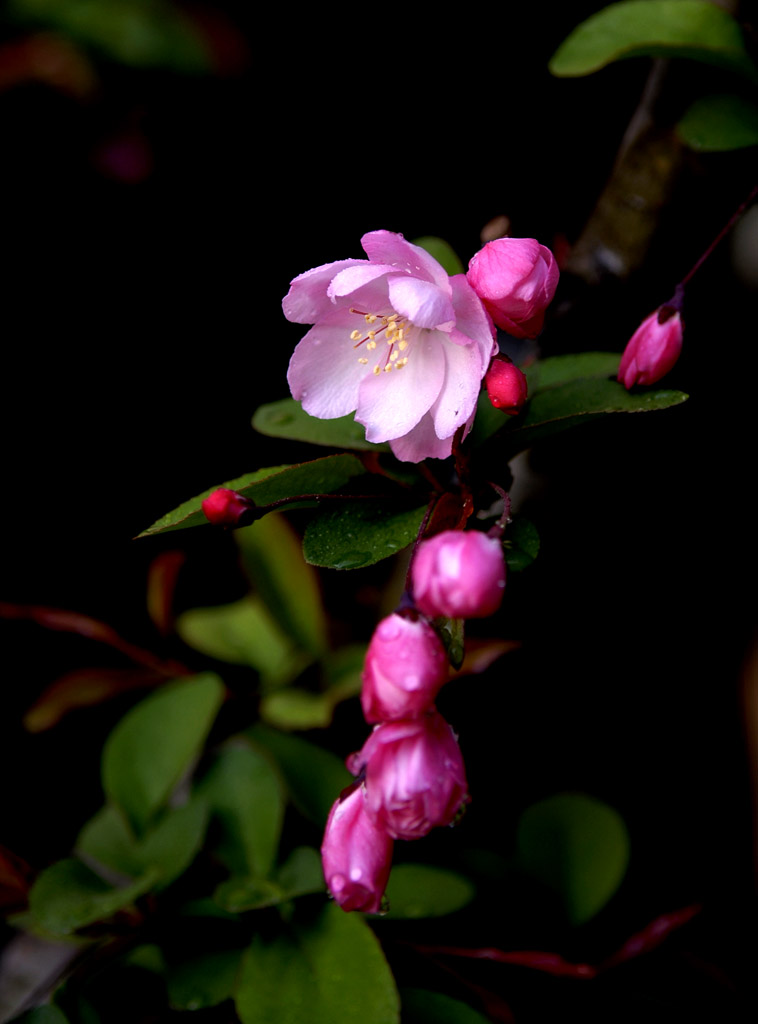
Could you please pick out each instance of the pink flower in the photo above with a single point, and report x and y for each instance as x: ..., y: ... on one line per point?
x: 459, y: 574
x: 225, y: 507
x: 516, y: 279
x: 506, y: 385
x: 356, y: 855
x: 405, y: 666
x: 653, y: 348
x: 415, y: 777
x: 395, y: 340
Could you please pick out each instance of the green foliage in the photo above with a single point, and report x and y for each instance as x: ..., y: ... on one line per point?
x: 721, y: 122
x: 156, y: 743
x: 696, y: 29
x: 579, y: 847
x: 330, y: 970
x: 203, y: 981
x: 522, y: 544
x: 443, y: 252
x: 547, y: 373
x: 42, y: 1015
x: 359, y: 533
x: 300, y: 875
x: 288, y: 419
x: 140, y: 33
x: 423, y: 1007
x: 274, y: 483
x: 419, y: 890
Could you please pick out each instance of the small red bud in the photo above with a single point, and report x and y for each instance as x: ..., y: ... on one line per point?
x: 506, y: 385
x: 225, y: 507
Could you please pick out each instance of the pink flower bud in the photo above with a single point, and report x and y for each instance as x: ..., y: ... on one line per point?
x: 405, y: 666
x: 225, y: 507
x: 356, y: 855
x: 415, y: 777
x: 459, y: 574
x: 653, y: 348
x: 516, y: 279
x: 506, y: 385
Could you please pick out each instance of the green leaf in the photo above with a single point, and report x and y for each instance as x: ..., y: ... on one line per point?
x: 138, y: 33
x: 579, y: 847
x: 359, y: 533
x: 155, y: 744
x: 68, y: 895
x: 423, y: 1007
x: 244, y: 633
x: 42, y: 1015
x: 272, y: 555
x: 288, y: 419
x: 301, y: 875
x: 245, y: 795
x: 522, y: 544
x: 169, y: 847
x: 721, y: 122
x: 330, y: 971
x: 452, y: 634
x: 321, y: 476
x: 301, y: 709
x: 443, y: 252
x: 654, y: 28
x: 204, y: 981
x: 547, y: 373
x: 314, y: 776
x: 417, y: 890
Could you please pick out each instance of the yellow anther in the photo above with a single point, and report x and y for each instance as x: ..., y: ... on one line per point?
x: 372, y: 334
x: 377, y: 369
x: 370, y: 318
x: 388, y: 367
x: 401, y: 363
x: 394, y: 356
x: 393, y: 317
x: 400, y: 334
x: 402, y: 344
x: 363, y: 361
x: 371, y: 345
x: 355, y: 335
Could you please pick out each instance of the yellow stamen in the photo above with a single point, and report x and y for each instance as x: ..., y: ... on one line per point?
x: 363, y: 361
x: 355, y: 335
x: 377, y: 369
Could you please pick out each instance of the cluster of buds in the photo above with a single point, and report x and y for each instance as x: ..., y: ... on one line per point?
x: 410, y: 772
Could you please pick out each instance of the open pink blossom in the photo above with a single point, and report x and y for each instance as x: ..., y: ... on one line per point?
x: 404, y: 669
x: 395, y: 340
x: 653, y: 348
x: 356, y: 855
x: 415, y: 777
x: 460, y: 574
x: 516, y: 279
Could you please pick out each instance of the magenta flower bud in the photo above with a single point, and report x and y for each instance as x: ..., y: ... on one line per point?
x: 404, y: 669
x: 506, y: 385
x: 516, y: 280
x: 356, y: 855
x: 415, y: 777
x: 459, y: 574
x: 225, y: 507
x: 653, y: 348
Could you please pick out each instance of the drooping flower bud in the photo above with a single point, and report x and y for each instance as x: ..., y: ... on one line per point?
x: 225, y: 507
x: 356, y: 855
x: 653, y: 348
x: 460, y: 574
x: 506, y: 385
x: 404, y: 669
x: 516, y: 279
x: 415, y: 777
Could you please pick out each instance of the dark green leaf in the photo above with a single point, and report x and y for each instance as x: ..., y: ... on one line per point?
x: 547, y: 373
x: 314, y: 776
x: 654, y: 28
x: 443, y: 252
x: 42, y: 1015
x: 579, y: 847
x: 204, y: 981
x: 294, y: 708
x: 69, y: 895
x: 245, y: 795
x: 155, y: 743
x: 522, y: 544
x: 287, y: 418
x: 417, y: 890
x: 716, y: 123
x: 331, y: 971
x: 359, y: 533
x: 423, y: 1007
x: 138, y: 33
x: 301, y: 875
x: 321, y: 476
x: 272, y: 555
x: 452, y: 634
x: 170, y: 846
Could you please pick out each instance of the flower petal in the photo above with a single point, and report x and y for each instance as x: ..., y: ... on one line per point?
x: 422, y: 443
x: 472, y: 320
x: 422, y: 302
x: 353, y: 278
x: 460, y: 389
x: 324, y: 373
x: 307, y: 300
x: 392, y: 248
x: 391, y: 403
